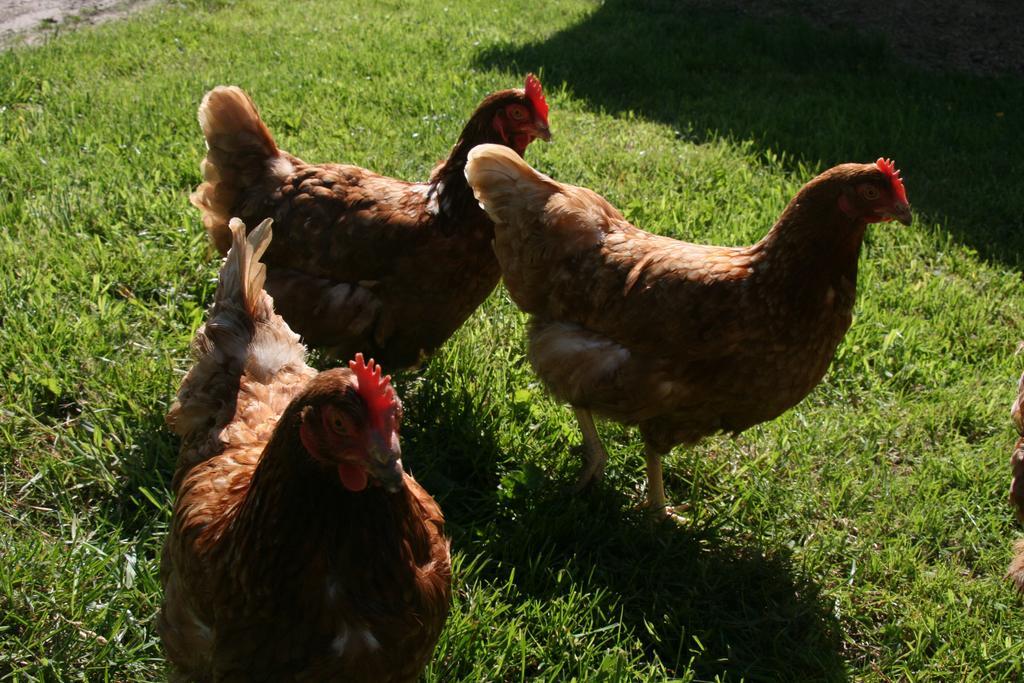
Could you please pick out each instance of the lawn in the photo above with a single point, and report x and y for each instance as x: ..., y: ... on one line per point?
x: 861, y: 536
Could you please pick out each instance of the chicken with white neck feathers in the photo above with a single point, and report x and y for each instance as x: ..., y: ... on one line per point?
x: 682, y: 340
x: 362, y: 262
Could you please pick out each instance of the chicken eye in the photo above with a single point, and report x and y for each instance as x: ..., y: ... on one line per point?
x: 869, y: 192
x: 517, y: 112
x: 339, y: 426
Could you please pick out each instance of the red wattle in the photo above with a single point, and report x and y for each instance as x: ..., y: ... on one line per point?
x: 520, y: 141
x: 353, y: 477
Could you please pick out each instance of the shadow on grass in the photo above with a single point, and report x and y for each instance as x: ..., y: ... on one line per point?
x: 443, y: 421
x: 147, y: 469
x: 707, y: 598
x: 703, y: 598
x: 809, y: 94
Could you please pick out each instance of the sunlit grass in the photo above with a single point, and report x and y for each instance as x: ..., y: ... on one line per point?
x: 860, y: 536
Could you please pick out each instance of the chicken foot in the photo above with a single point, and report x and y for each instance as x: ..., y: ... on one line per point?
x: 656, y: 503
x: 594, y: 454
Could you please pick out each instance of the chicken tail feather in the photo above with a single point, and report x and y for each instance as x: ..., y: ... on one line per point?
x: 505, y: 185
x: 242, y: 336
x: 242, y: 278
x: 242, y: 159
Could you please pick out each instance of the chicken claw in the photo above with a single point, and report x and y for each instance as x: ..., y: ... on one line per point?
x: 655, y: 503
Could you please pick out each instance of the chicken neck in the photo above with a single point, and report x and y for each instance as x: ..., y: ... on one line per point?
x: 448, y: 179
x: 812, y: 247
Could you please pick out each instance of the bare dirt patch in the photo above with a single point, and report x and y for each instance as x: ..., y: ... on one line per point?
x: 29, y: 21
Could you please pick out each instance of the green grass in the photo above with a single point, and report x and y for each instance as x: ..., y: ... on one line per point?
x: 861, y: 536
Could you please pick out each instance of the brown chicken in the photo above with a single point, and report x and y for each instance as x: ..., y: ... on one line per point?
x: 1016, y: 570
x: 362, y: 262
x: 683, y: 340
x: 299, y: 549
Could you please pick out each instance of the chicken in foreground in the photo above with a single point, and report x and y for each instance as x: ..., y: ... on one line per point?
x: 682, y: 340
x: 299, y: 549
x: 362, y: 262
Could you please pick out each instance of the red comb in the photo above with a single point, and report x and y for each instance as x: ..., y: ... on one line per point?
x: 536, y: 95
x: 887, y: 167
x: 375, y: 390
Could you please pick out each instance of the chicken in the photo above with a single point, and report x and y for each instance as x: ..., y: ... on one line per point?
x: 362, y: 262
x: 1016, y: 570
x: 299, y: 549
x: 683, y: 340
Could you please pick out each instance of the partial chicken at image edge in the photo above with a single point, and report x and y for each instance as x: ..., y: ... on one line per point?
x: 299, y: 548
x: 362, y: 262
x: 1015, y: 571
x: 682, y: 340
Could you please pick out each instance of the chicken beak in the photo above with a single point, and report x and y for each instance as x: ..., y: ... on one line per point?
x: 386, y: 461
x: 541, y: 130
x: 390, y: 475
x: 901, y: 212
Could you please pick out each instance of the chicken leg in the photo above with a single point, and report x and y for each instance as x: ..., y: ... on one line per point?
x: 655, y: 480
x: 656, y: 503
x: 594, y: 454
